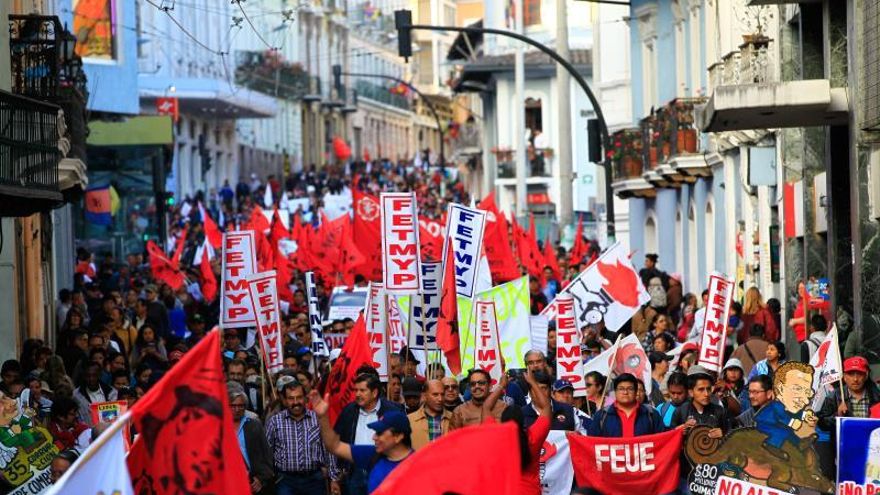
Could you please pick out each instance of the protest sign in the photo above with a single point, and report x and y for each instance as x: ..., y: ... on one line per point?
x: 107, y: 412
x: 733, y: 486
x: 424, y: 310
x: 858, y: 456
x: 319, y: 347
x: 464, y: 230
x: 239, y: 261
x: 335, y: 340
x: 539, y: 326
x: 376, y: 320
x: 715, y: 324
x: 487, y: 353
x: 512, y: 310
x: 395, y: 326
x: 568, y: 346
x: 623, y: 466
x: 400, y: 243
x: 264, y: 294
x: 555, y: 469
x: 610, y: 289
x: 26, y: 450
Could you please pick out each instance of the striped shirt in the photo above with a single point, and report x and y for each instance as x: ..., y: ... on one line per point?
x: 296, y: 444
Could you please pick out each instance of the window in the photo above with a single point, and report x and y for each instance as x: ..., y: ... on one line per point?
x: 646, y: 17
x: 680, y: 51
x: 710, y: 237
x: 531, y: 12
x: 693, y: 278
x: 871, y: 64
x: 696, y: 52
x: 679, y: 243
x: 650, y: 234
x: 449, y: 15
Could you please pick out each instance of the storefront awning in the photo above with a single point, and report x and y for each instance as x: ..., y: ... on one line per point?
x: 145, y: 130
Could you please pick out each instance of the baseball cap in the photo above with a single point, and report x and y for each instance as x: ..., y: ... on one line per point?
x: 856, y: 363
x: 733, y: 363
x: 697, y: 370
x: 688, y: 347
x: 562, y: 385
x: 655, y: 357
x: 395, y: 420
x: 411, y: 387
x: 151, y: 288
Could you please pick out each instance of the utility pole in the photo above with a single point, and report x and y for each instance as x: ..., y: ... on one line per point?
x: 519, y: 112
x: 566, y: 137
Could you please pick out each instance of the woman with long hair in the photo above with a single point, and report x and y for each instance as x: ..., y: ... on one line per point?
x: 774, y: 358
x: 125, y: 332
x: 149, y: 350
x: 74, y: 321
x: 754, y: 310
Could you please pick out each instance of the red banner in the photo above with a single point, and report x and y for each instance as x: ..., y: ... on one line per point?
x: 623, y: 466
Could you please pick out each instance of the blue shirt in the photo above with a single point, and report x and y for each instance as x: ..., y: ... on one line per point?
x: 774, y: 421
x: 379, y: 466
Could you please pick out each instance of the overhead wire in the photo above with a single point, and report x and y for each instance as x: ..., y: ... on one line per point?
x: 248, y: 19
x: 167, y: 11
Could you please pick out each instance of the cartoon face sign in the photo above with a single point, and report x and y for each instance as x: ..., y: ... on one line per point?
x: 794, y: 390
x: 8, y: 409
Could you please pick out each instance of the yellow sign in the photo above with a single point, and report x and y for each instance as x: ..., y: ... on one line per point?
x: 94, y: 28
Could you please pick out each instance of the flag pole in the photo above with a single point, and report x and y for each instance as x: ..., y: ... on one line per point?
x: 387, y: 349
x: 610, y: 371
x: 839, y: 364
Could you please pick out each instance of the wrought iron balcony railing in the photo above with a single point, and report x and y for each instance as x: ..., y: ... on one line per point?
x: 267, y: 73
x: 29, y: 153
x: 44, y: 64
x: 381, y: 94
x: 626, y: 154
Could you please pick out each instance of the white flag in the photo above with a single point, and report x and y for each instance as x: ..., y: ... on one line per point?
x: 826, y: 361
x: 268, y: 201
x: 101, y: 468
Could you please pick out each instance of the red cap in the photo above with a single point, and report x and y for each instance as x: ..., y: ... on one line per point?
x: 856, y: 363
x: 689, y: 346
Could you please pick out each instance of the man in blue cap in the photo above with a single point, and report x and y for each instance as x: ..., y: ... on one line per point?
x: 392, y: 443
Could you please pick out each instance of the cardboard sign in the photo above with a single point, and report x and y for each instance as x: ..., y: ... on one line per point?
x: 487, y: 350
x: 239, y: 262
x: 107, y: 412
x: 732, y: 486
x: 512, y: 311
x: 464, y: 229
x: 27, y: 450
x: 425, y: 309
x: 319, y: 347
x: 610, y: 289
x: 715, y: 324
x: 858, y: 456
x: 335, y: 340
x: 568, y: 346
x: 376, y: 319
x: 264, y: 294
x: 400, y: 243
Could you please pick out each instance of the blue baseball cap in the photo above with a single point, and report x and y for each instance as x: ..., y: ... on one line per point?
x: 395, y: 420
x: 562, y: 385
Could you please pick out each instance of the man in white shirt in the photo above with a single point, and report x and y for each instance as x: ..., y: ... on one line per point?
x: 699, y: 317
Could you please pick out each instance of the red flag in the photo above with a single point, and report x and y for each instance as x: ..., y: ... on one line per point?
x: 430, y: 239
x: 447, y: 322
x: 623, y: 466
x: 209, y: 280
x: 550, y: 259
x: 215, y: 237
x: 258, y: 221
x: 178, y: 248
x: 496, y: 243
x: 187, y: 443
x: 164, y: 269
x: 527, y: 249
x: 340, y: 381
x: 580, y: 248
x: 350, y: 258
x: 427, y: 471
x: 366, y: 228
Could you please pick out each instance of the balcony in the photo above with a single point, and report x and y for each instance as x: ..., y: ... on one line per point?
x: 267, y: 72
x: 747, y: 96
x: 539, y: 168
x: 29, y: 155
x: 382, y: 94
x: 628, y: 164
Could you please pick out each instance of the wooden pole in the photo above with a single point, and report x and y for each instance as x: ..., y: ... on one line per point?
x: 601, y: 403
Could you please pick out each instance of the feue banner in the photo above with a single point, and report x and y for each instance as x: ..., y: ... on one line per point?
x: 512, y: 311
x: 624, y: 466
x: 239, y: 261
x: 464, y: 229
x: 400, y: 243
x: 377, y: 336
x: 715, y: 327
x: 424, y: 310
x: 609, y: 289
x: 555, y: 469
x: 264, y: 294
x: 858, y: 456
x: 568, y: 345
x: 488, y: 355
x: 319, y: 346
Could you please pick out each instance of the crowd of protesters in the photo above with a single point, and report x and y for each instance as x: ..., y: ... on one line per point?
x: 119, y: 331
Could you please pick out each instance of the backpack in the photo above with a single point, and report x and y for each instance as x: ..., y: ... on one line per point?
x: 657, y: 292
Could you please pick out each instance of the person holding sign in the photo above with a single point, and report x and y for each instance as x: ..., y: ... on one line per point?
x: 626, y: 417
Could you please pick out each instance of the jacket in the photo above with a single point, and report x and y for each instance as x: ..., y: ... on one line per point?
x: 418, y: 422
x: 346, y: 423
x: 750, y: 353
x: 563, y: 416
x: 469, y: 414
x: 607, y: 422
x: 260, y: 457
x: 828, y: 412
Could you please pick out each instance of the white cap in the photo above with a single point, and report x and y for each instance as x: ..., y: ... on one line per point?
x: 334, y: 354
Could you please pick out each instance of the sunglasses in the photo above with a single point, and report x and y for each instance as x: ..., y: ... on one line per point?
x: 450, y: 387
x: 479, y: 383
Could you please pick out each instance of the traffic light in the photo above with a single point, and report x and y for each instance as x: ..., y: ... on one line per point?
x: 167, y: 198
x: 403, y: 24
x: 594, y: 138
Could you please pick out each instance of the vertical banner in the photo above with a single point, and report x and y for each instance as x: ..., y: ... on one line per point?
x: 396, y: 327
x: 512, y: 311
x: 319, y: 347
x: 464, y: 229
x: 568, y: 345
x: 239, y: 261
x: 376, y: 318
x: 858, y: 456
x: 424, y: 310
x: 715, y: 324
x: 609, y: 289
x: 488, y: 351
x: 400, y: 243
x: 264, y: 294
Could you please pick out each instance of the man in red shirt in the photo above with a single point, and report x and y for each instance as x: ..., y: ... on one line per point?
x: 626, y: 417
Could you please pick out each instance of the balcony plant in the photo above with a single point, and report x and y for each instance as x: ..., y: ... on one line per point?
x: 626, y: 152
x: 686, y: 134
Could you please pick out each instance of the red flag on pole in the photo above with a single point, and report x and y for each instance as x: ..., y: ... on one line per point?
x: 209, y: 280
x: 496, y: 243
x: 178, y: 249
x: 580, y: 247
x: 187, y: 443
x: 340, y: 382
x: 427, y: 471
x: 550, y: 259
x: 366, y: 228
x: 527, y: 249
x: 164, y: 269
x: 447, y: 322
x: 623, y: 466
x: 215, y: 237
